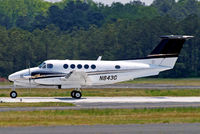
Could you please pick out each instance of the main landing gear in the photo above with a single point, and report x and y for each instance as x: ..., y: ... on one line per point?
x: 13, y: 93
x: 76, y: 93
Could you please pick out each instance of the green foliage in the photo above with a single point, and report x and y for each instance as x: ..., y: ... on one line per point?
x: 16, y: 8
x: 178, y: 10
x: 130, y: 11
x: 74, y: 14
x: 32, y: 31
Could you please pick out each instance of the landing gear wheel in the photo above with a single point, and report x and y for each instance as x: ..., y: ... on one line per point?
x: 72, y: 94
x: 77, y: 95
x: 13, y: 94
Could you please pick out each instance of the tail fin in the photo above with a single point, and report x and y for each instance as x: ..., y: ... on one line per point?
x: 164, y: 56
x: 168, y: 50
x: 170, y: 46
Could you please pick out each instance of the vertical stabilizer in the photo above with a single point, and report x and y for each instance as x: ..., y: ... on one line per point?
x: 170, y: 46
x: 169, y: 49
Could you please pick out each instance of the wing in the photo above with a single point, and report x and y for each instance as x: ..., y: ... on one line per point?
x: 76, y: 77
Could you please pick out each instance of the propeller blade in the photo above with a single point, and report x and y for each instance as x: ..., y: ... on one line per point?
x: 30, y: 76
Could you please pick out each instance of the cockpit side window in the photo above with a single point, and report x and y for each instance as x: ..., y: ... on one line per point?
x: 43, y: 65
x: 49, y: 66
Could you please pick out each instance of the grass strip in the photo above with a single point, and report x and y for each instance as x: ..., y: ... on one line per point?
x: 39, y: 104
x: 6, y: 83
x: 102, y: 92
x: 99, y: 116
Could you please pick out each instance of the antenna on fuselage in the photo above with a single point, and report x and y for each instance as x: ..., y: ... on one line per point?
x: 99, y: 58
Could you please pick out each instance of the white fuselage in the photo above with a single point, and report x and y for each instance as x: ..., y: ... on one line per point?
x: 87, y: 72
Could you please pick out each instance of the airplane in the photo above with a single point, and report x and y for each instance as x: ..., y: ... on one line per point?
x: 77, y: 73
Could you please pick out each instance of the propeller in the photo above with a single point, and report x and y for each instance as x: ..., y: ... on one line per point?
x: 29, y: 76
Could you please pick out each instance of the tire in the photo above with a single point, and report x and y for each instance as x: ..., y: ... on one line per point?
x: 59, y: 86
x: 77, y: 94
x: 13, y: 94
x: 72, y: 94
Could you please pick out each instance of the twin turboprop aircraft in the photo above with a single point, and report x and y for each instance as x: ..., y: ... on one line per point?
x: 78, y: 73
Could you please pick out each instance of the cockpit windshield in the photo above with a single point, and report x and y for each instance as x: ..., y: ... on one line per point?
x: 43, y: 65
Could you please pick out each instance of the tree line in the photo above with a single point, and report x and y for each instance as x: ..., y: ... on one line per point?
x: 34, y: 31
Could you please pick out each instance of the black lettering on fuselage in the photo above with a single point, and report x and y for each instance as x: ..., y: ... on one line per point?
x: 108, y: 77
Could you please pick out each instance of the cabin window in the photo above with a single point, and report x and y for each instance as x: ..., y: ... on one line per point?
x: 72, y: 66
x: 86, y: 66
x: 117, y: 67
x: 93, y: 66
x: 79, y: 66
x: 65, y: 66
x: 49, y: 66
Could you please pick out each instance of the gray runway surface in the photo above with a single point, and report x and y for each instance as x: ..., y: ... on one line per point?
x: 108, y: 129
x: 105, y: 102
x: 106, y: 106
x: 123, y: 85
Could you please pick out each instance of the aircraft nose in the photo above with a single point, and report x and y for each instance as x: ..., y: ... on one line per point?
x: 14, y: 76
x: 11, y: 77
x: 18, y: 75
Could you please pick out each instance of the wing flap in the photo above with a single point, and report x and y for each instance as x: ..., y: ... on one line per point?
x: 75, y: 77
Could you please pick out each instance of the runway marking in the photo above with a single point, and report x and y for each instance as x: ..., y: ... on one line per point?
x: 103, y: 99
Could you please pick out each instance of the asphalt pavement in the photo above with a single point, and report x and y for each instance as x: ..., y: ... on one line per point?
x: 108, y: 129
x: 104, y: 102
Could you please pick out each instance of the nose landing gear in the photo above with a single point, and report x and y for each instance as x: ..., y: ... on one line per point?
x: 13, y: 93
x: 76, y: 93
